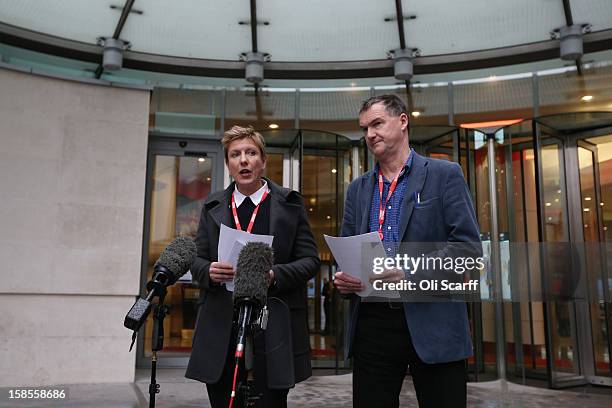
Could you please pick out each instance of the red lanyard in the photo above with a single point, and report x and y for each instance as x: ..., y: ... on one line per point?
x: 235, y: 213
x: 383, y: 208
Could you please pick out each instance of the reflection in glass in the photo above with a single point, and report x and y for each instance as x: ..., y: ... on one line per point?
x: 594, y: 156
x: 556, y: 230
x: 179, y: 187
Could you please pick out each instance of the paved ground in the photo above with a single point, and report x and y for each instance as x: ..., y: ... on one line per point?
x: 318, y: 391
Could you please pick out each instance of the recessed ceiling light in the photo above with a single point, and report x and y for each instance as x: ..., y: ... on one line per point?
x: 273, y: 126
x: 201, y: 159
x: 587, y: 98
x: 334, y: 171
x: 415, y: 114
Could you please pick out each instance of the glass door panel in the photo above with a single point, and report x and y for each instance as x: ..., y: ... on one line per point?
x: 562, y: 352
x: 484, y: 320
x: 593, y: 155
x: 274, y: 167
x: 179, y: 186
x: 529, y: 342
x: 320, y: 165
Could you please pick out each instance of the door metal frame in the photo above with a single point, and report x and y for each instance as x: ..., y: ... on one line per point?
x: 578, y: 140
x: 171, y: 146
x: 566, y: 158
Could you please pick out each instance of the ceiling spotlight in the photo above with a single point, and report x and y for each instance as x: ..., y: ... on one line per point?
x: 254, y: 71
x: 587, y: 98
x: 334, y: 171
x: 112, y: 56
x: 273, y: 126
x: 402, y: 62
x: 415, y: 114
x: 201, y: 159
x: 570, y: 38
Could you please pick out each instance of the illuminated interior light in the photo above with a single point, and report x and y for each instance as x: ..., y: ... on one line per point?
x: 495, y: 123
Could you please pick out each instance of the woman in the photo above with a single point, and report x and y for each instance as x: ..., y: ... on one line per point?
x: 256, y: 205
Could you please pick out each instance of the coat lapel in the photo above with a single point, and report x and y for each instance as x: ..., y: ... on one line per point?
x: 276, y: 209
x: 221, y: 213
x: 365, y: 202
x: 416, y: 179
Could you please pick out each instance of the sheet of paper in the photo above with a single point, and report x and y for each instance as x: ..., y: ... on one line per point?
x: 233, y: 259
x: 231, y: 242
x: 349, y: 253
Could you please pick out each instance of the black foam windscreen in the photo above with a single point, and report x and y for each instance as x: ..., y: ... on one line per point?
x: 178, y: 257
x: 252, y: 273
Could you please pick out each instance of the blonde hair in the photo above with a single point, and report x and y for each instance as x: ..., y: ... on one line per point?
x: 239, y: 133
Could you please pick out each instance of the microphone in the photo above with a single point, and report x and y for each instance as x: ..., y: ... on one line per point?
x: 252, y: 274
x: 250, y: 292
x: 174, y: 261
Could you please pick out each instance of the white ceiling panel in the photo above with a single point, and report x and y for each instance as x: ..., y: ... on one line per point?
x: 598, y: 13
x: 80, y: 20
x: 190, y: 28
x: 306, y: 31
x: 323, y: 30
x: 447, y: 27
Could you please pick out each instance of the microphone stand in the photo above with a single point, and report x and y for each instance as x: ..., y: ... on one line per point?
x: 242, y: 381
x: 239, y: 384
x: 160, y: 310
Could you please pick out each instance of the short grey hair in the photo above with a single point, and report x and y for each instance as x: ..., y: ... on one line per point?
x: 394, y: 106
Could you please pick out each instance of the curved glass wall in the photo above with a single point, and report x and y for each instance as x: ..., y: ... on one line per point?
x: 320, y: 165
x: 554, y: 318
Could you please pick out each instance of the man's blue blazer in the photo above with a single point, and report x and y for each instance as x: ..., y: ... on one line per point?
x: 440, y: 331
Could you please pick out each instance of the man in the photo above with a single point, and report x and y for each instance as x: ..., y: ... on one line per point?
x: 422, y: 200
x: 256, y: 205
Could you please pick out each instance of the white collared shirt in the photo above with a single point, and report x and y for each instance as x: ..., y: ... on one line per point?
x: 255, y: 197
